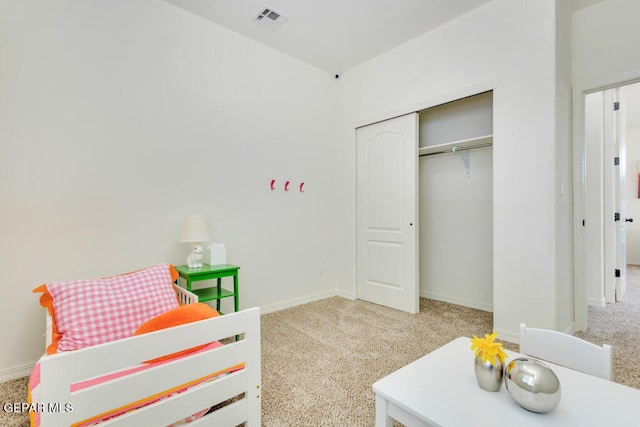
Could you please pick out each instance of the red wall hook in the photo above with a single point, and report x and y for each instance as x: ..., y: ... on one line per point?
x: 286, y: 186
x: 273, y: 184
x: 301, y: 187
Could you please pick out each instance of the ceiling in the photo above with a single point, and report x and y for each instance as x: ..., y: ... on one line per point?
x: 336, y: 35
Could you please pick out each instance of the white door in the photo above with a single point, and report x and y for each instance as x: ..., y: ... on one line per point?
x: 387, y: 162
x: 621, y: 199
x: 615, y: 234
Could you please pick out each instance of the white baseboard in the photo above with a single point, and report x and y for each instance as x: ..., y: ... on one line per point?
x: 346, y: 295
x: 16, y: 372
x: 570, y: 329
x: 596, y: 302
x: 458, y: 301
x: 513, y: 337
x: 304, y: 300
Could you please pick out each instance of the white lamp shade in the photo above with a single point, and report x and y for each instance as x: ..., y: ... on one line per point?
x: 194, y: 229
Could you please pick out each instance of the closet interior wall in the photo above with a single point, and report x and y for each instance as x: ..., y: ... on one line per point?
x: 456, y: 202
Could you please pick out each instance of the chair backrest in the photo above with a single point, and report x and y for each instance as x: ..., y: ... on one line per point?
x: 567, y: 350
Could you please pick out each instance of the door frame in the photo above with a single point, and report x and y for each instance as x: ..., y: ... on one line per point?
x: 609, y: 196
x: 621, y: 195
x: 579, y: 175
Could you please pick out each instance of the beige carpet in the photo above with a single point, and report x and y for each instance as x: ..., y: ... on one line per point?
x: 320, y: 359
x: 619, y: 325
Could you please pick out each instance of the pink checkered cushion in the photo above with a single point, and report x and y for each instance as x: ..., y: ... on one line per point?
x: 90, y: 312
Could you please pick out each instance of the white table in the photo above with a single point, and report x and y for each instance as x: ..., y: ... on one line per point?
x: 440, y: 389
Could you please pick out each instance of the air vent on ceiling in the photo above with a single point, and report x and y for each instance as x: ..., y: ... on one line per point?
x: 271, y: 18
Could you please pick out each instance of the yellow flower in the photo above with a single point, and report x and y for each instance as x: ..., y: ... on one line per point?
x: 488, y: 349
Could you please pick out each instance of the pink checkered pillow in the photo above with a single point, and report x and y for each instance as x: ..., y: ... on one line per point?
x: 90, y: 312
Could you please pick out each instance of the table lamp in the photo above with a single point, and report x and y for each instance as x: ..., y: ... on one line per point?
x: 194, y: 231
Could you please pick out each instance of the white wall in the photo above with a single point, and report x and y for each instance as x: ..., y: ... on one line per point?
x: 605, y: 44
x: 456, y: 228
x: 117, y: 118
x: 564, y: 297
x: 512, y: 44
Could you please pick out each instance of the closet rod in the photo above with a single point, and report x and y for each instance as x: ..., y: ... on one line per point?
x: 456, y: 149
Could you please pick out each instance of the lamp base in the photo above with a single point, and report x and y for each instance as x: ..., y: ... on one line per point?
x: 194, y: 260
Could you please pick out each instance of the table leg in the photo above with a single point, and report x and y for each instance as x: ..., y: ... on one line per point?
x: 236, y: 298
x: 382, y: 417
x: 219, y: 294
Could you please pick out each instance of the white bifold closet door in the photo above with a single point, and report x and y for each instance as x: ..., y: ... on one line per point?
x: 386, y: 213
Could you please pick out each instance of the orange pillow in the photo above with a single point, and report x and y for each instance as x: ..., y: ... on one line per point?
x: 178, y: 316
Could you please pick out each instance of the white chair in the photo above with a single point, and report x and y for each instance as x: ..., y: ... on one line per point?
x: 567, y: 350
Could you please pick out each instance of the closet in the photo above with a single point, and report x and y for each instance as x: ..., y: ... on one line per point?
x: 447, y: 190
x: 455, y: 183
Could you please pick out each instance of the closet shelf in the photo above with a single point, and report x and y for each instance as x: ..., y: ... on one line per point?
x: 464, y: 144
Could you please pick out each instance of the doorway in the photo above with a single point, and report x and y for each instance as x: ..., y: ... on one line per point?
x: 611, y: 157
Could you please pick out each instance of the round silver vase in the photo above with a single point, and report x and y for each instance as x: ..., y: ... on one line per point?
x: 532, y: 384
x: 489, y: 377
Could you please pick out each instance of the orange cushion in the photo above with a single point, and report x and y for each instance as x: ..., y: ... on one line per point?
x: 178, y: 316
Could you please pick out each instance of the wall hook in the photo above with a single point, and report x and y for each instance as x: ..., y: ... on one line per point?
x: 286, y: 186
x: 273, y: 184
x: 301, y: 186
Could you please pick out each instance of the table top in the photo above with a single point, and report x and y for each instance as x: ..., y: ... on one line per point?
x: 206, y: 268
x: 441, y: 389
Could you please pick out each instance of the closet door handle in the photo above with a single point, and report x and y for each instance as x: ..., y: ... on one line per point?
x: 628, y: 219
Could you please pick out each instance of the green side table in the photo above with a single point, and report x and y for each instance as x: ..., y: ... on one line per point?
x: 210, y: 272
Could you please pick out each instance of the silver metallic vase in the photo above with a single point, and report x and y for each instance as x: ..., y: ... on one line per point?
x: 489, y: 377
x: 532, y: 384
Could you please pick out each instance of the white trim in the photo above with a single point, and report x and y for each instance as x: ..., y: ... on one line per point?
x: 579, y: 212
x: 458, y: 301
x: 610, y: 177
x: 515, y: 338
x: 481, y: 87
x: 609, y: 82
x: 16, y: 372
x: 512, y: 337
x: 346, y: 295
x: 596, y: 302
x: 570, y: 329
x: 300, y: 301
